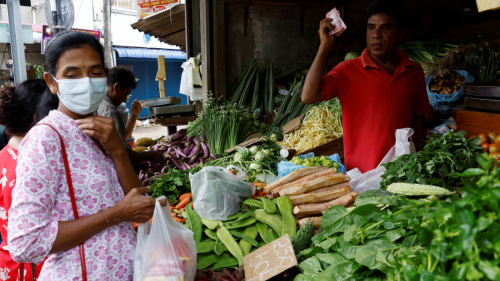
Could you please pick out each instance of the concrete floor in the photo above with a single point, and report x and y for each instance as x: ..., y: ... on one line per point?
x: 153, y: 132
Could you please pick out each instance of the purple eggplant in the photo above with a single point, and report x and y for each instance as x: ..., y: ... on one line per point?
x: 157, y: 174
x: 169, y: 150
x: 190, y: 139
x: 177, y: 136
x: 195, y: 151
x: 174, y: 155
x: 162, y: 148
x: 151, y: 171
x: 197, y: 142
x: 187, y: 166
x: 173, y: 143
x: 202, y: 138
x: 141, y: 173
x: 201, y: 160
x: 177, y: 164
x: 213, y: 156
x: 192, y: 159
x: 180, y: 153
x: 195, y: 165
x: 206, y: 152
x: 157, y: 167
x: 189, y: 148
x: 146, y: 181
x: 164, y: 169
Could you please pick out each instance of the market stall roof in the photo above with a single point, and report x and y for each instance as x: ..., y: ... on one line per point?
x: 149, y: 53
x: 168, y: 26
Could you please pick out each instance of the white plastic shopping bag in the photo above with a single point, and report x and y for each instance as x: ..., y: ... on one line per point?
x: 217, y: 193
x: 165, y: 249
x: 191, y: 77
x: 371, y: 179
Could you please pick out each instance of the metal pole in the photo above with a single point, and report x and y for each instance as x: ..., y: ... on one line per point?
x: 108, y: 48
x: 16, y: 41
x: 53, y: 10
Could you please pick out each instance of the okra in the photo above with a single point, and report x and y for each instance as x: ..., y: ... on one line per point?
x: 195, y: 220
x: 207, y: 261
x: 205, y: 247
x: 269, y: 206
x: 218, y: 248
x: 270, y: 220
x: 251, y: 232
x: 239, y: 224
x: 243, y: 236
x: 286, y: 209
x: 211, y: 234
x: 211, y: 224
x: 233, y: 247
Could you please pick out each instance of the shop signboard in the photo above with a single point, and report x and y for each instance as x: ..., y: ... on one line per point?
x: 27, y: 33
x: 151, y: 7
x: 47, y: 35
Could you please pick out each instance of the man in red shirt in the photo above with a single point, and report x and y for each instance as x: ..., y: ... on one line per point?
x: 380, y: 92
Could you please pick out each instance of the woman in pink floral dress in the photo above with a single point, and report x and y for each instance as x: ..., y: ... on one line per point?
x: 18, y: 105
x: 106, y: 189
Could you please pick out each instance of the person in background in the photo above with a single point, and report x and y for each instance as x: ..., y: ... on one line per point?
x: 121, y: 81
x: 20, y: 108
x: 3, y: 137
x: 380, y: 92
x: 105, y: 193
x: 130, y: 121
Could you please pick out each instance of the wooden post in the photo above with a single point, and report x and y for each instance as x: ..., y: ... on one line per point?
x: 206, y: 48
x: 219, y: 48
x: 161, y: 75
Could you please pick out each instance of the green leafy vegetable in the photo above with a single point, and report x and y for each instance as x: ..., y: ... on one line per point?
x: 171, y: 184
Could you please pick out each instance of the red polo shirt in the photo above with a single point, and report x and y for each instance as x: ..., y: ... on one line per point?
x: 374, y: 105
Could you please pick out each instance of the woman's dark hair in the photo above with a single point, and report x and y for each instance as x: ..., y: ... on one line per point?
x: 19, y: 104
x: 67, y: 41
x: 48, y: 102
x: 123, y: 76
x: 391, y: 8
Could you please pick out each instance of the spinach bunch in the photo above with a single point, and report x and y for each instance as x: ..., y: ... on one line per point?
x: 438, y: 164
x: 171, y: 184
x: 460, y: 240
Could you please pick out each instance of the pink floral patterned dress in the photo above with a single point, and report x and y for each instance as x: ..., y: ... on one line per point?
x: 41, y: 199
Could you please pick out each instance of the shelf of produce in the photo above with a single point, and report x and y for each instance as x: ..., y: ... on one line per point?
x: 475, y: 123
x: 329, y: 148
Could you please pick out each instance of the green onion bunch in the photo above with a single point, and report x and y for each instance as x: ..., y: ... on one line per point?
x: 487, y: 64
x: 423, y: 52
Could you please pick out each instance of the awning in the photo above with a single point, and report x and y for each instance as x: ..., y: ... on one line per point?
x: 149, y: 53
x: 168, y: 26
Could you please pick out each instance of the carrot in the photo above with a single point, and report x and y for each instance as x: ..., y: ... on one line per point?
x: 319, y: 196
x: 185, y: 195
x: 136, y: 225
x: 318, y: 209
x: 330, y: 188
x: 180, y: 210
x: 179, y: 219
x: 257, y: 184
x: 151, y: 220
x: 316, y: 221
x: 276, y: 192
x: 174, y: 214
x: 293, y: 176
x: 183, y: 203
x: 315, y: 184
x: 232, y: 172
x: 172, y: 207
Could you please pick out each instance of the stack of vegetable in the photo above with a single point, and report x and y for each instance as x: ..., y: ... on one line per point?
x: 320, y: 125
x: 425, y: 52
x: 390, y: 237
x: 312, y: 191
x: 223, y: 245
x: 447, y: 84
x: 437, y: 163
x: 316, y: 161
x: 258, y: 159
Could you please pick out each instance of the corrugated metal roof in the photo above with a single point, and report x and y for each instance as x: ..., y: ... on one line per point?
x: 168, y: 26
x: 149, y: 53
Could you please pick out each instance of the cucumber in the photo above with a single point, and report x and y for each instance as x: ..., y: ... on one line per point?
x: 270, y: 220
x: 302, y: 239
x: 286, y: 210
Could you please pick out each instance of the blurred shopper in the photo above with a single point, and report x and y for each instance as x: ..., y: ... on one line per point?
x: 20, y: 108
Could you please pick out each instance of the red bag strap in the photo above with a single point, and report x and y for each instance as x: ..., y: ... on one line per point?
x: 72, y: 195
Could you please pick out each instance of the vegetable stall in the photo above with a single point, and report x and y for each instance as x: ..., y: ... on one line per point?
x: 434, y: 215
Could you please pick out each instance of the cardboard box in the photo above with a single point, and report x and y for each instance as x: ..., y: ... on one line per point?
x: 246, y: 143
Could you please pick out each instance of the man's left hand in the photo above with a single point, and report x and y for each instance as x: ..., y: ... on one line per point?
x: 136, y: 108
x: 156, y: 157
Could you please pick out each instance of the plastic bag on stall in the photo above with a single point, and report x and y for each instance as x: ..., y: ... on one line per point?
x: 217, y: 193
x: 190, y: 77
x: 165, y: 249
x: 434, y: 98
x: 285, y: 167
x: 371, y: 179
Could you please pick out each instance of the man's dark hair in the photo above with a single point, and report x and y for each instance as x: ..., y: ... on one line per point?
x: 123, y: 76
x: 391, y: 8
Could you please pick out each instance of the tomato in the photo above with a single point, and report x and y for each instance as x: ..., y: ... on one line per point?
x: 483, y: 138
x: 497, y: 140
x: 494, y: 148
x: 486, y: 147
x: 496, y: 155
x: 492, y: 137
x: 473, y: 136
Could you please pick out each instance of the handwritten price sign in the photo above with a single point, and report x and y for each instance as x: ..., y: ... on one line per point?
x: 270, y: 260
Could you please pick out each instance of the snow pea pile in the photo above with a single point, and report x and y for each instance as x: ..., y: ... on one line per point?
x: 223, y: 244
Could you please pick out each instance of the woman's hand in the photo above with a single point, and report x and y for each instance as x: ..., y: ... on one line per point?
x: 135, y: 207
x: 104, y: 130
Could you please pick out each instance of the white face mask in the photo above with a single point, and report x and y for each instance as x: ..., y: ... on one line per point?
x: 84, y: 95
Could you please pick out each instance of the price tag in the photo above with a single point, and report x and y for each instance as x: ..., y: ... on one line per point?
x: 270, y: 260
